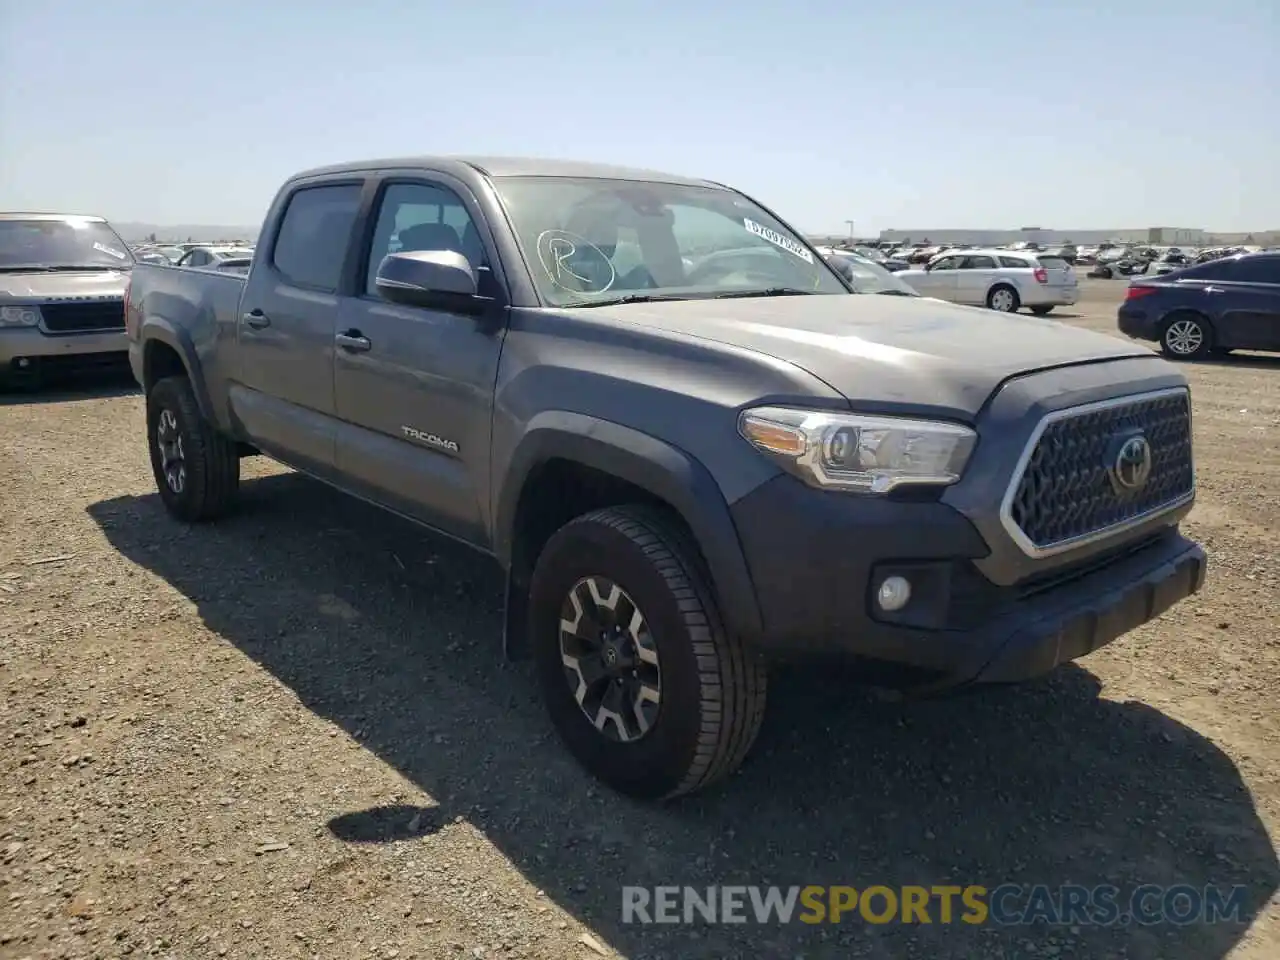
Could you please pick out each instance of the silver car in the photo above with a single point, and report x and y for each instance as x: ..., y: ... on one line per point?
x: 62, y: 285
x: 1004, y: 280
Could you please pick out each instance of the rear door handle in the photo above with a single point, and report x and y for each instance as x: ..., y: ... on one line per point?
x: 256, y: 319
x: 353, y: 341
x: 1212, y: 289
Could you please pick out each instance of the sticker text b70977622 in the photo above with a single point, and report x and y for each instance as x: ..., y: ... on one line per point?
x: 777, y: 239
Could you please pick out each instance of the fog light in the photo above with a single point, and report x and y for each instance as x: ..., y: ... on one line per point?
x: 893, y: 594
x: 22, y: 363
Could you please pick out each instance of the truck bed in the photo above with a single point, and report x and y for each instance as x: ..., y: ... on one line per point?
x: 199, y: 301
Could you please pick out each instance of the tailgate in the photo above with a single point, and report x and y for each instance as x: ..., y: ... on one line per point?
x: 1058, y: 272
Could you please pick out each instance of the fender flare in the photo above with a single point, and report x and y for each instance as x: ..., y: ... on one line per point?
x: 653, y: 465
x: 160, y: 330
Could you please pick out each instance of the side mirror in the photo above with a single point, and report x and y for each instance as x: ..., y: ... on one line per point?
x: 436, y: 279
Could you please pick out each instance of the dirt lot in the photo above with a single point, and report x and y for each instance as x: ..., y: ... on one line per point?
x: 291, y: 735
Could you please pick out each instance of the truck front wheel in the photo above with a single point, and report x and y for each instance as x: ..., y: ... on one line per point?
x: 197, y: 469
x: 640, y: 678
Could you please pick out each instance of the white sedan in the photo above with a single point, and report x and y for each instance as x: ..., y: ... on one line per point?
x: 1004, y: 280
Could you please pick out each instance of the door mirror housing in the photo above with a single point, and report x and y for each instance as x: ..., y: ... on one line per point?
x: 435, y: 279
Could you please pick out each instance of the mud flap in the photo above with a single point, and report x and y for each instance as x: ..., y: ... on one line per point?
x: 515, y: 608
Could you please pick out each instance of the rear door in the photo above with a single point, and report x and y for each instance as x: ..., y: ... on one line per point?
x: 974, y: 278
x: 1248, y: 300
x: 289, y: 315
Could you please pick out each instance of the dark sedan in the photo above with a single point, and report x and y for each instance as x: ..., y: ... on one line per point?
x: 1215, y: 307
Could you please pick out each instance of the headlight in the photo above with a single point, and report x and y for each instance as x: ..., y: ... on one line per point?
x: 866, y: 454
x: 19, y: 316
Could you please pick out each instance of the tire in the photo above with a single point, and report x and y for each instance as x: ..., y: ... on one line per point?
x: 1186, y: 336
x: 711, y: 687
x: 1042, y: 311
x: 1003, y: 298
x: 202, y: 485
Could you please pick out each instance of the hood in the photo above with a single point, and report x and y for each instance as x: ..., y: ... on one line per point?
x: 879, y: 349
x: 89, y: 284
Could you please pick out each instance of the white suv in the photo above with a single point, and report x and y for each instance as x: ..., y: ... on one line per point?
x: 1004, y: 280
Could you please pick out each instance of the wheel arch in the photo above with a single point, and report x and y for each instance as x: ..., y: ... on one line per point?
x: 162, y: 344
x: 568, y: 463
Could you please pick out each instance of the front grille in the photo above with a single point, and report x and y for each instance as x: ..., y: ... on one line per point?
x: 83, y: 315
x: 1065, y: 493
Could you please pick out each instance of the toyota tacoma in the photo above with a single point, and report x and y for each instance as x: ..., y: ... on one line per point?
x: 692, y: 448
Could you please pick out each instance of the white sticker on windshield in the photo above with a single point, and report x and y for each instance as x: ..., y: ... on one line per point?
x: 777, y: 239
x: 103, y: 248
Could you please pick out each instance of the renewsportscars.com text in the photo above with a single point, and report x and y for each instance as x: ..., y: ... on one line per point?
x: 1007, y: 905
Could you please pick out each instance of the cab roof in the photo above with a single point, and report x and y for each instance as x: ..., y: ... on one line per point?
x: 507, y: 167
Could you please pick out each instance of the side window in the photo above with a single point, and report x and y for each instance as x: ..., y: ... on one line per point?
x: 979, y: 263
x: 1255, y: 270
x: 421, y: 216
x: 1014, y: 263
x: 199, y: 258
x: 312, y: 242
x: 947, y: 263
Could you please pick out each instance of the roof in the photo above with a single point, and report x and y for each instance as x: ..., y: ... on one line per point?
x: 990, y: 252
x: 17, y: 215
x: 509, y: 167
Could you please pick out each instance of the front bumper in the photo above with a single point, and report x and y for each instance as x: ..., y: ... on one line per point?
x: 32, y: 342
x: 27, y: 351
x: 817, y: 558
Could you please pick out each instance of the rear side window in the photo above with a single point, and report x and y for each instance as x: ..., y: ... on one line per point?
x: 1014, y: 263
x: 979, y: 263
x: 1255, y: 270
x: 312, y: 242
x: 1053, y: 263
x: 1213, y: 270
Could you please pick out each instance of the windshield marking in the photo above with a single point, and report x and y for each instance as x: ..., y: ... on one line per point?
x: 777, y: 239
x: 558, y: 247
x: 103, y: 248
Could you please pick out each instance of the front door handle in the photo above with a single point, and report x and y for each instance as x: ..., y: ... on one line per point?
x: 1212, y: 289
x: 353, y: 341
x: 256, y: 319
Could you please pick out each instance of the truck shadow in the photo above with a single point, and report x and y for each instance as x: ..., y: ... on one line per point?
x: 393, y: 635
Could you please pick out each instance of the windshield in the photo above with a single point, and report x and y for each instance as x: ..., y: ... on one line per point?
x: 591, y: 240
x: 45, y: 244
x: 867, y: 276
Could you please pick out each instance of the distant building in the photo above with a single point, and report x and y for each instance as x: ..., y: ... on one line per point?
x: 1156, y: 235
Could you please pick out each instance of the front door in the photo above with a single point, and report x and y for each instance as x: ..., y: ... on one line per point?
x: 284, y: 335
x: 414, y: 386
x: 941, y: 280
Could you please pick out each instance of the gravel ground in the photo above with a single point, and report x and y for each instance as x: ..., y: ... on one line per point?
x: 291, y: 734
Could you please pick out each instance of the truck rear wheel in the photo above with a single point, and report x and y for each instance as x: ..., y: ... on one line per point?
x: 640, y: 678
x: 197, y: 469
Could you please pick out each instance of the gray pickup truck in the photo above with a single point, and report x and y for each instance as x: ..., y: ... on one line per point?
x: 62, y: 280
x: 691, y: 447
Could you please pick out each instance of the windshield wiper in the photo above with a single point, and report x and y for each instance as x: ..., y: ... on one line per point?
x: 767, y: 292
x: 78, y: 267
x: 894, y: 293
x: 629, y: 298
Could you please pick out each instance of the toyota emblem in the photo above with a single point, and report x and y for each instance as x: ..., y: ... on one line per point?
x: 1131, y: 466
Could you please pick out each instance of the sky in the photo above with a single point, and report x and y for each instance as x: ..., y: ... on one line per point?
x: 917, y: 114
